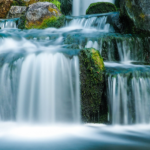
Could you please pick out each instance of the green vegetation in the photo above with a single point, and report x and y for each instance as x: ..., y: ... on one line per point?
x: 18, y: 3
x: 92, y: 78
x: 55, y: 22
x: 66, y: 7
x: 101, y: 7
x: 55, y: 2
x: 22, y: 22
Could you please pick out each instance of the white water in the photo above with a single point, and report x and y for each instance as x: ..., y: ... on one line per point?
x: 129, y: 103
x: 42, y: 87
x: 49, y: 89
x: 8, y: 23
x: 98, y: 23
x: 80, y: 6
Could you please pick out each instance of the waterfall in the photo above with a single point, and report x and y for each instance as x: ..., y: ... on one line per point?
x: 98, y: 22
x: 8, y: 23
x: 129, y: 98
x: 40, y: 88
x: 80, y: 6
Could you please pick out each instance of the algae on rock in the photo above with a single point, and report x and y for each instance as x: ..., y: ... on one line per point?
x: 92, y: 85
x: 101, y: 7
x: 135, y: 16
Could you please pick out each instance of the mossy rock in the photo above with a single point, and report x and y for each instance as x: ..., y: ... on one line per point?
x: 134, y: 16
x: 101, y: 7
x: 22, y: 22
x: 66, y: 7
x: 55, y: 22
x: 92, y: 84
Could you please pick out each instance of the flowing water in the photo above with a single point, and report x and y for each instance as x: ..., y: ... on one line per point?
x: 8, y: 23
x: 40, y: 86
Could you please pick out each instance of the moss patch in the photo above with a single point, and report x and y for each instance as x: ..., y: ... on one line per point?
x: 101, y: 7
x: 22, y: 22
x: 92, y: 84
x: 18, y: 3
x: 55, y: 22
x: 132, y: 18
x: 55, y: 2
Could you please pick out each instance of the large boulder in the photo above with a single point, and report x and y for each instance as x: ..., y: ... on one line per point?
x: 101, y: 7
x: 16, y: 11
x: 4, y: 7
x: 38, y: 12
x: 92, y: 86
x: 138, y: 12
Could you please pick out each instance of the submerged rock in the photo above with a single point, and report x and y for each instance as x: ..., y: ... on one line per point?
x: 4, y: 7
x: 136, y: 12
x: 40, y: 11
x: 16, y: 11
x: 92, y: 84
x: 101, y: 7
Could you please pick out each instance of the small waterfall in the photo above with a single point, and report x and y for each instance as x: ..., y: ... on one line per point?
x: 80, y: 6
x: 8, y: 23
x: 40, y: 87
x: 98, y: 22
x: 113, y: 48
x: 128, y: 95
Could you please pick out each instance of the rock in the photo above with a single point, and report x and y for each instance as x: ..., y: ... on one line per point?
x: 92, y: 84
x: 16, y: 11
x: 40, y: 11
x: 114, y: 20
x: 138, y: 12
x: 101, y: 7
x: 66, y: 7
x: 4, y: 7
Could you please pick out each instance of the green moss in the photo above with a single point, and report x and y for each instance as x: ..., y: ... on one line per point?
x: 18, y: 3
x: 55, y: 2
x: 92, y: 83
x: 22, y: 22
x: 55, y: 22
x: 101, y: 7
x: 66, y: 7
x: 130, y: 23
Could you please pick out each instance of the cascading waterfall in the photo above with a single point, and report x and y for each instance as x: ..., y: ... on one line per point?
x: 129, y: 98
x: 40, y: 87
x: 55, y: 76
x: 98, y: 22
x: 80, y: 6
x: 8, y: 23
x: 49, y: 89
x: 112, y: 48
x: 92, y: 22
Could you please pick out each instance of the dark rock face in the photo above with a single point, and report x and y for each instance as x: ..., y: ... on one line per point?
x: 138, y: 11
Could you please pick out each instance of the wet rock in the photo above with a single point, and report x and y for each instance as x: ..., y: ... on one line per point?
x: 4, y: 7
x: 138, y: 12
x: 40, y: 11
x: 16, y: 11
x: 92, y: 85
x: 101, y: 7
